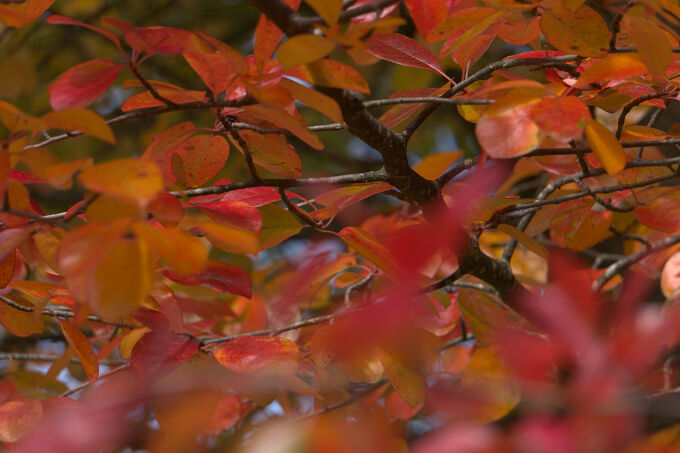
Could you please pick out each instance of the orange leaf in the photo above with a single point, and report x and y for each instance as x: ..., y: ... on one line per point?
x: 663, y: 214
x: 616, y: 66
x: 18, y: 322
x: 650, y: 41
x: 18, y: 418
x: 523, y: 239
x: 83, y: 348
x: 273, y: 153
x: 23, y: 13
x: 121, y: 280
x: 146, y: 100
x: 183, y: 252
x: 342, y: 197
x: 510, y: 118
x: 159, y: 150
x: 434, y: 165
x: 606, y: 147
x: 314, y: 99
x: 334, y: 74
x: 18, y: 121
x: 519, y: 31
x: 582, y: 31
x: 199, y: 159
x: 329, y: 10
x: 303, y: 49
x: 82, y: 120
x: 129, y: 341
x: 259, y: 355
x: 369, y: 247
x: 580, y: 224
x: 562, y: 118
x: 286, y: 121
x: 408, y: 383
x: 132, y: 180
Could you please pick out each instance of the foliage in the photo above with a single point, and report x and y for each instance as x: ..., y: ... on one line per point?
x: 358, y: 226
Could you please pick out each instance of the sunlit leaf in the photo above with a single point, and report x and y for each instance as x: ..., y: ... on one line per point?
x: 510, y: 118
x: 614, y: 66
x: 427, y: 13
x: 121, y: 280
x: 369, y: 247
x: 562, y: 118
x: 18, y: 121
x: 82, y: 120
x: 303, y: 49
x: 230, y: 239
x: 314, y: 99
x: 606, y: 147
x: 234, y: 213
x: 650, y: 41
x: 334, y: 74
x: 133, y: 180
x: 183, y: 252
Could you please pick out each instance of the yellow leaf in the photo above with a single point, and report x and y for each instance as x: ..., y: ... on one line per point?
x: 183, y: 252
x: 651, y: 43
x: 130, y: 340
x: 230, y: 239
x: 523, y: 239
x: 329, y: 10
x: 487, y: 378
x: 82, y: 120
x: 606, y: 147
x: 18, y: 322
x: 314, y: 99
x: 133, y: 180
x: 303, y: 49
x: 17, y: 121
x: 434, y: 165
x: 121, y: 280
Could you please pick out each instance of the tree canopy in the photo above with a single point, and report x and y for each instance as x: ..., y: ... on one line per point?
x: 339, y: 225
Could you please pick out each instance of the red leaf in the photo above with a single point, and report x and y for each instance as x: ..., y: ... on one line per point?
x: 427, y: 13
x: 82, y: 84
x: 259, y: 355
x: 238, y: 214
x: 404, y: 51
x: 152, y: 40
x: 63, y: 20
x: 663, y: 214
x: 24, y: 177
x: 199, y: 159
x: 18, y: 418
x: 219, y: 276
x: 562, y: 118
x: 160, y: 351
x: 256, y: 196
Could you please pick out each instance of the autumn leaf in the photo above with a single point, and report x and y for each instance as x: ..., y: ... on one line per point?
x: 22, y: 13
x: 580, y: 224
x: 217, y: 275
x: 18, y: 418
x: 81, y: 120
x: 132, y: 180
x: 199, y: 159
x: 606, y: 147
x: 510, y: 117
x: 329, y: 10
x: 273, y: 153
x: 403, y: 50
x: 183, y: 252
x: 258, y: 355
x: 407, y: 382
x: 334, y: 74
x: 82, y: 84
x: 615, y: 66
x: 582, y: 31
x: 83, y: 348
x: 303, y: 49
